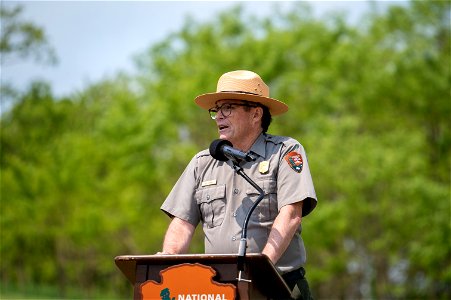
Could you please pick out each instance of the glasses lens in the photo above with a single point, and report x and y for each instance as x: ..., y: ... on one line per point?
x: 226, y: 109
x: 213, y: 112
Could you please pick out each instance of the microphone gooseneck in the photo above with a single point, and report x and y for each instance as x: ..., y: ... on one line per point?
x: 223, y: 150
x: 243, y: 240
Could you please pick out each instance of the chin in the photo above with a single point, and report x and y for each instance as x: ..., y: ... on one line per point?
x: 223, y: 137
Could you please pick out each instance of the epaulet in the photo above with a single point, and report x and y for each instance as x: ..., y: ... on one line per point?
x: 276, y: 139
x: 287, y: 142
x: 203, y: 153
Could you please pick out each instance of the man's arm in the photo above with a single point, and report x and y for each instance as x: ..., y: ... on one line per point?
x: 178, y: 237
x: 283, y: 229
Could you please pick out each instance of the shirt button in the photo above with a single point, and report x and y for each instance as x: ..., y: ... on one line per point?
x: 236, y: 191
x: 208, y: 197
x: 233, y: 238
x: 234, y: 214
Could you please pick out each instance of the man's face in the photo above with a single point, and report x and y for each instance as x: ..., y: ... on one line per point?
x: 239, y: 125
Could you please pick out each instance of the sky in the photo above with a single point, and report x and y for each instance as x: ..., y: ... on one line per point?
x: 96, y: 39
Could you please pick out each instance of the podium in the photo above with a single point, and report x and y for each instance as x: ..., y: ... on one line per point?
x: 260, y: 279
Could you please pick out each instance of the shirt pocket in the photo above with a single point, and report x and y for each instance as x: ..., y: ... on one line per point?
x: 211, y: 201
x: 266, y: 210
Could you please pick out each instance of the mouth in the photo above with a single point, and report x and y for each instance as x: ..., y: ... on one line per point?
x: 222, y: 129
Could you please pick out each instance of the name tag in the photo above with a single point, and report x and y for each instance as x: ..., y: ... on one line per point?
x: 209, y: 182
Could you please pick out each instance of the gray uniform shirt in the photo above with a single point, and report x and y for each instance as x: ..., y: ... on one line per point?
x: 210, y: 191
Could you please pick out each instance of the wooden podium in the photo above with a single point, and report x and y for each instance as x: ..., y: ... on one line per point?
x: 261, y: 279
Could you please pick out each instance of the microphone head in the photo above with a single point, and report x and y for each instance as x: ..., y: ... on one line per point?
x: 216, y: 149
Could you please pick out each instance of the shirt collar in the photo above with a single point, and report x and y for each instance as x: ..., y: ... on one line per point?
x: 259, y: 146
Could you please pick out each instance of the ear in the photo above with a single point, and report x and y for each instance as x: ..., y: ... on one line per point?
x: 258, y: 114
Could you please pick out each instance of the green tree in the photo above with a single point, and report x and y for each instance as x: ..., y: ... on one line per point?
x: 372, y: 104
x: 84, y: 177
x: 20, y: 40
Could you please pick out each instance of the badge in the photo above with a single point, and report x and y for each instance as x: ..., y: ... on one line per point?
x: 294, y: 160
x: 263, y: 167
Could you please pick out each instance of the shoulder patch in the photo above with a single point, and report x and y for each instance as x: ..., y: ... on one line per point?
x: 295, y: 161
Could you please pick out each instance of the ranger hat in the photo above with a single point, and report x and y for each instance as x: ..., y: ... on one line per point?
x: 242, y: 85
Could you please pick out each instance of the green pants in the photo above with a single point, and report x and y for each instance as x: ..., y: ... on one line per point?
x: 298, y: 284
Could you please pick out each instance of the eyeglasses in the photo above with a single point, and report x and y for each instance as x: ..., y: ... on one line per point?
x: 226, y: 109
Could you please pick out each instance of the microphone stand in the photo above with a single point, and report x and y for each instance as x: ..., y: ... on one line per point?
x: 243, y: 240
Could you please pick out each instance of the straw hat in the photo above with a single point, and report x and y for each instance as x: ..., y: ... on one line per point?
x: 242, y: 85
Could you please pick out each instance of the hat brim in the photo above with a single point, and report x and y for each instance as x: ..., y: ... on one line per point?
x: 207, y: 101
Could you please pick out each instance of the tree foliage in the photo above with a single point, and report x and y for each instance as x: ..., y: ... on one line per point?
x: 21, y: 39
x: 83, y: 177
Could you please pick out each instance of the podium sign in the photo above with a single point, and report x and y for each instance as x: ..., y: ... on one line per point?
x: 210, y: 277
x: 187, y: 282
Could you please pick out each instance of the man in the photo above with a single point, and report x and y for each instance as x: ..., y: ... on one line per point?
x: 210, y: 191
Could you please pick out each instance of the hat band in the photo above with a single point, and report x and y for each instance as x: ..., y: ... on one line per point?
x: 242, y: 92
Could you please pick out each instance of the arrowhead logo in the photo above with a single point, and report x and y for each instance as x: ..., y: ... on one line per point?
x: 295, y: 161
x: 187, y: 282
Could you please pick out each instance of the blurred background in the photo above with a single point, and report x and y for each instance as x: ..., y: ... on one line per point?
x: 98, y: 122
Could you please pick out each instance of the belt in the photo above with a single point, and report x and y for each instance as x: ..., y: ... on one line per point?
x: 293, y: 276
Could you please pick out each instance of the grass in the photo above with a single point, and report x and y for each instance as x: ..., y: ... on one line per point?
x: 10, y: 292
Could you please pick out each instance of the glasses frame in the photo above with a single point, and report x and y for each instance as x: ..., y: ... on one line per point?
x: 226, y: 112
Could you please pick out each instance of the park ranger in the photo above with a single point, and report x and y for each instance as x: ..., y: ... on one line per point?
x: 209, y: 191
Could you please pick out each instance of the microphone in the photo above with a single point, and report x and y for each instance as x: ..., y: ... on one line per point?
x: 223, y: 150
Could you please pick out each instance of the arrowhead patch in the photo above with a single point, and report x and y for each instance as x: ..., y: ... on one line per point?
x: 295, y: 161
